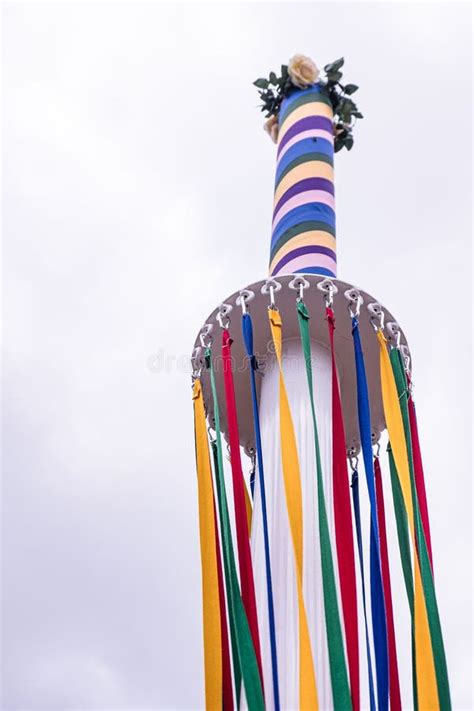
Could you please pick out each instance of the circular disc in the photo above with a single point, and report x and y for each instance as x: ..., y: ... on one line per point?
x: 285, y: 300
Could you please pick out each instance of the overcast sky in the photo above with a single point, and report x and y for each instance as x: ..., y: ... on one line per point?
x: 137, y: 194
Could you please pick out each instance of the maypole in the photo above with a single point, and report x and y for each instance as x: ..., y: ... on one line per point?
x: 306, y: 378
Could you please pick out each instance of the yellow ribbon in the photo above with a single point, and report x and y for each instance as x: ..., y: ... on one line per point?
x: 425, y: 670
x: 294, y: 504
x: 248, y: 508
x: 207, y: 534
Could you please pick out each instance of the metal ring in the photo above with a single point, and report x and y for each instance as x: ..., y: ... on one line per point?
x: 329, y: 288
x: 206, y: 330
x: 375, y: 437
x: 223, y: 312
x: 377, y: 315
x: 354, y: 297
x: 405, y: 351
x: 299, y: 283
x: 245, y: 295
x: 270, y: 287
x: 197, y: 362
x: 395, y: 334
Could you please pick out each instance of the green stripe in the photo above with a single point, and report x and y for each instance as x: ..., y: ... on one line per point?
x: 298, y: 229
x: 233, y: 632
x: 322, y: 157
x: 425, y: 566
x: 246, y: 650
x: 317, y: 97
x: 337, y: 662
x: 402, y: 528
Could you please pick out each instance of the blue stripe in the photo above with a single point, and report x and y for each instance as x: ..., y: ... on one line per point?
x: 307, y: 145
x: 247, y: 332
x: 322, y: 271
x: 379, y: 622
x: 289, y: 100
x: 312, y: 211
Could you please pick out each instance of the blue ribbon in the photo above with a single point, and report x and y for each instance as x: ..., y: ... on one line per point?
x: 379, y: 622
x: 247, y: 332
x: 355, y: 503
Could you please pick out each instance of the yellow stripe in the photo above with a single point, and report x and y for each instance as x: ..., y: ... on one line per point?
x: 323, y: 239
x: 210, y: 583
x: 424, y: 661
x: 315, y: 108
x: 294, y: 504
x: 311, y: 169
x: 248, y: 507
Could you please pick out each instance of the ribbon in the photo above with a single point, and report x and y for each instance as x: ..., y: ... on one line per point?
x: 241, y: 520
x: 403, y: 535
x: 379, y: 624
x: 343, y: 525
x: 247, y: 332
x: 356, y: 505
x: 247, y: 658
x: 292, y: 482
x: 434, y: 623
x: 419, y: 475
x: 395, y: 698
x: 233, y: 632
x: 210, y: 580
x: 337, y: 662
x: 425, y: 672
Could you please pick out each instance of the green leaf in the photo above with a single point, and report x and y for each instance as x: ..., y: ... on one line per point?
x: 338, y: 143
x: 350, y: 89
x: 334, y: 76
x: 349, y: 142
x: 284, y: 71
x: 334, y: 66
x: 261, y: 83
x: 273, y: 78
x: 357, y: 114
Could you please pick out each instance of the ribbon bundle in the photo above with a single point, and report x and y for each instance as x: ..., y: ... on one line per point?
x: 233, y: 640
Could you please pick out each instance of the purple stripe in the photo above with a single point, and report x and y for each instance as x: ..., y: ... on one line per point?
x: 304, y: 125
x: 299, y: 251
x: 302, y: 186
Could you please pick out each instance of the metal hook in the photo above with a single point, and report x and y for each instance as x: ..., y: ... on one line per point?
x: 299, y: 283
x: 352, y: 455
x: 406, y: 358
x: 245, y: 295
x: 354, y: 297
x: 377, y: 316
x: 395, y: 333
x: 197, y: 362
x: 375, y: 437
x: 353, y: 462
x: 206, y: 331
x: 223, y: 312
x: 329, y: 289
x: 271, y: 286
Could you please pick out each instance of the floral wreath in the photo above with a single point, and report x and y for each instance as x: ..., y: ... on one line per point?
x: 301, y: 72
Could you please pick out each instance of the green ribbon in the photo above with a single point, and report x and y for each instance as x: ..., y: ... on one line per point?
x: 434, y: 622
x: 337, y: 662
x: 244, y: 643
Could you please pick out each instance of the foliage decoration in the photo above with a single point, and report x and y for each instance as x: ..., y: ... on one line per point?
x: 274, y: 89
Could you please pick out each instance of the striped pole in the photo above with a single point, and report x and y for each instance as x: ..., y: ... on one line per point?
x: 304, y: 226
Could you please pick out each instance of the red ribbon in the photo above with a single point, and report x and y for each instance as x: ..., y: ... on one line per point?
x: 420, y: 477
x: 395, y: 698
x: 241, y: 522
x: 343, y: 525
